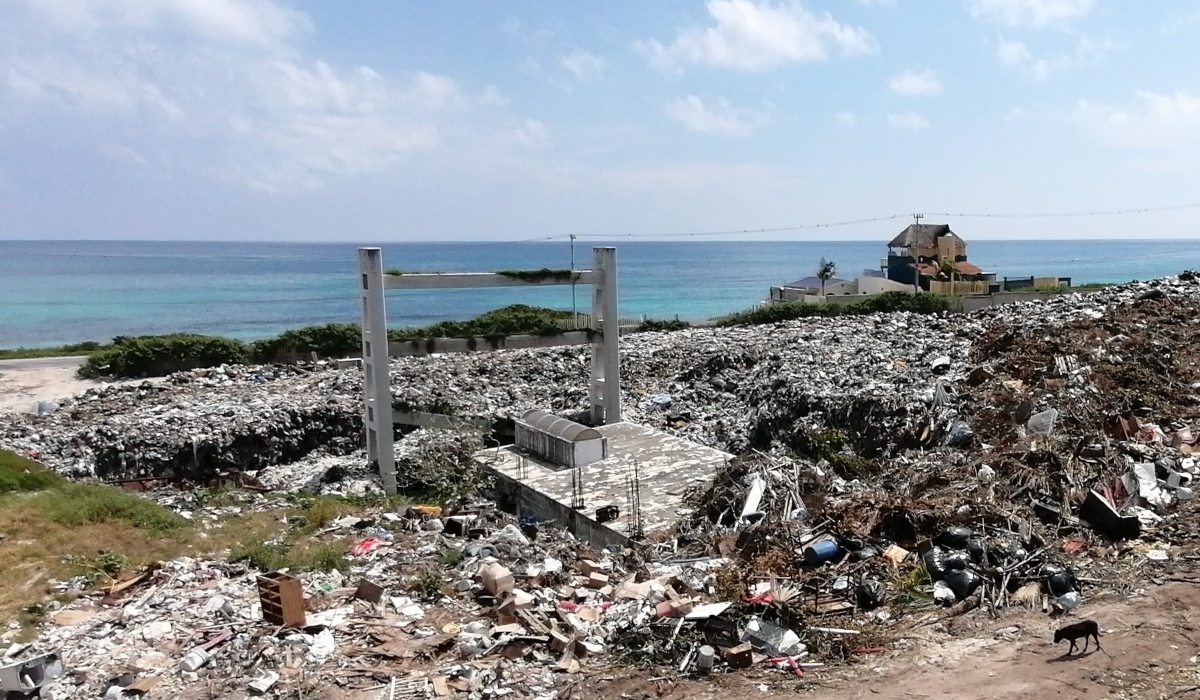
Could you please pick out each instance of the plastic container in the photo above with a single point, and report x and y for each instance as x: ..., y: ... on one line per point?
x: 195, y: 659
x: 820, y: 551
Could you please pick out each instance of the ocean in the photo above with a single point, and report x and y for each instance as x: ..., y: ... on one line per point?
x: 56, y: 292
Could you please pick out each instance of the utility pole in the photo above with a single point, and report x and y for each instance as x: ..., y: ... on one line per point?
x: 574, y: 311
x: 917, y: 259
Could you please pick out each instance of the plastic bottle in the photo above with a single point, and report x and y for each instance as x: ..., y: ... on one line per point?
x: 195, y: 659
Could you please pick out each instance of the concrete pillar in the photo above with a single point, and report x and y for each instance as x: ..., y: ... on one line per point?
x: 606, y: 356
x: 377, y: 391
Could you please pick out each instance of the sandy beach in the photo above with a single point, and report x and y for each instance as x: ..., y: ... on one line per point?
x: 25, y: 382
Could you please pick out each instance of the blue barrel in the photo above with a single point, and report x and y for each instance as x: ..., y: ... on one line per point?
x: 820, y: 551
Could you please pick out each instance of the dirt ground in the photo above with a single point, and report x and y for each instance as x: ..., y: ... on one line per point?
x: 25, y: 382
x: 1149, y: 641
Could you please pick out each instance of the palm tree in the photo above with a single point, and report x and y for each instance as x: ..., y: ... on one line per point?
x: 825, y: 272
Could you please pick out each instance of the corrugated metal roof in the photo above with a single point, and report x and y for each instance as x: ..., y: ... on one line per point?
x: 812, y: 283
x: 558, y: 426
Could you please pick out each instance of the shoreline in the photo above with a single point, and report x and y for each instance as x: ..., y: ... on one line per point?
x: 26, y: 382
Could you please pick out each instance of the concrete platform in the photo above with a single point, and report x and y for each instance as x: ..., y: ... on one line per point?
x: 667, y: 466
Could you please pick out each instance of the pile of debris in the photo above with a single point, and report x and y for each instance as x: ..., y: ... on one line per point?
x: 445, y: 602
x: 896, y: 470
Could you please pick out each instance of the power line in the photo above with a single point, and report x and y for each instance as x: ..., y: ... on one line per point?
x: 856, y: 222
x: 196, y: 302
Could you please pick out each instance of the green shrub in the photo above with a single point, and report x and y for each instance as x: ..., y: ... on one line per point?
x: 888, y: 302
x: 151, y: 355
x: 329, y: 340
x: 515, y: 319
x: 664, y: 325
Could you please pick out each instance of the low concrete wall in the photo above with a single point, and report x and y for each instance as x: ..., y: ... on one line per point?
x: 515, y: 497
x: 975, y: 303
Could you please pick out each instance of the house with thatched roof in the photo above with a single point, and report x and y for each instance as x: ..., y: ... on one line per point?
x: 934, y: 258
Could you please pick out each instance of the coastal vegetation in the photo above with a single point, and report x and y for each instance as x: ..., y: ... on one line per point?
x: 162, y: 354
x: 56, y: 351
x: 540, y: 275
x: 889, y: 302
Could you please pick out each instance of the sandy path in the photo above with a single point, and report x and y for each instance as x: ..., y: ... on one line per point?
x: 1150, y: 651
x: 25, y: 382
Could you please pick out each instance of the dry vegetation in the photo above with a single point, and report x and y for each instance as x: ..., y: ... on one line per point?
x: 52, y: 530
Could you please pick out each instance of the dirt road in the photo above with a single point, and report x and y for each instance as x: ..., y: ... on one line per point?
x: 1149, y: 642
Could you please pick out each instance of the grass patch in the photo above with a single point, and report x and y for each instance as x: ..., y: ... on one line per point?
x: 57, y: 529
x: 293, y: 556
x: 451, y: 557
x: 75, y: 505
x: 426, y: 584
x: 20, y: 475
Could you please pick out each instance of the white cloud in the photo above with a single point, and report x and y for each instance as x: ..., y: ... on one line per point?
x: 721, y: 118
x: 909, y: 120
x: 316, y: 122
x: 1029, y: 13
x: 846, y: 118
x: 910, y: 83
x: 1155, y: 121
x: 491, y: 95
x: 233, y: 96
x: 530, y: 133
x: 584, y: 66
x: 757, y: 36
x: 258, y: 22
x: 1018, y: 56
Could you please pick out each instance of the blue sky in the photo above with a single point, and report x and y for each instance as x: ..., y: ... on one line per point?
x: 373, y: 120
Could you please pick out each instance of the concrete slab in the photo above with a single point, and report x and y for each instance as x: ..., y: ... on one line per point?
x: 667, y: 466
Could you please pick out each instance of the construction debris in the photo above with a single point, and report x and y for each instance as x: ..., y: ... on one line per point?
x: 1031, y: 455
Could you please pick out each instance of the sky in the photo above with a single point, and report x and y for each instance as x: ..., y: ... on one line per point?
x: 421, y: 121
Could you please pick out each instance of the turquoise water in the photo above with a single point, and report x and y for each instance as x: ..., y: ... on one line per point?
x: 69, y: 291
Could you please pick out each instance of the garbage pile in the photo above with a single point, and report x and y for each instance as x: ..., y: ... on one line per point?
x: 440, y: 603
x: 194, y: 424
x: 1051, y: 462
x: 873, y: 378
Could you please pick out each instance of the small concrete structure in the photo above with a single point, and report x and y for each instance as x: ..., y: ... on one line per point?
x: 666, y: 467
x: 558, y: 440
x: 604, y: 336
x: 836, y: 290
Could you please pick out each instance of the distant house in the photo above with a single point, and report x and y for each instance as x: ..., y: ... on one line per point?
x: 933, y: 258
x: 809, y: 289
